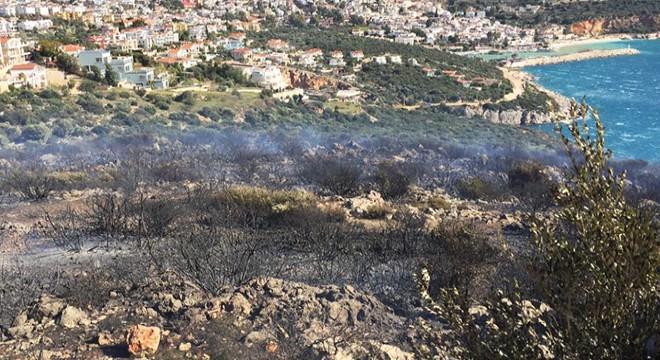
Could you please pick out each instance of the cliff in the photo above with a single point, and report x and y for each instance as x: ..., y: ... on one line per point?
x: 306, y: 80
x: 644, y: 23
x: 519, y: 116
x: 508, y: 117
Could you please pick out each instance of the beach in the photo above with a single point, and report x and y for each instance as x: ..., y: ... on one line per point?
x: 557, y: 45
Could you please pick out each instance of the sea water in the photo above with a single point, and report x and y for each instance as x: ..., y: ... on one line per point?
x: 625, y: 90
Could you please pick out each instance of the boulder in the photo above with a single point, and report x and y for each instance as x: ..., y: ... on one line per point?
x: 49, y: 306
x: 72, y: 317
x: 142, y: 340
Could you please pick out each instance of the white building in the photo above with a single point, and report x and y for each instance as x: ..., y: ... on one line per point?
x: 91, y: 58
x: 29, y: 74
x: 269, y: 77
x: 12, y: 51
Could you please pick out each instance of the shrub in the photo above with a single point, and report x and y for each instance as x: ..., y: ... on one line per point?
x: 186, y: 97
x: 32, y: 183
x: 214, y: 257
x: 91, y: 103
x: 477, y: 189
x: 253, y: 206
x: 34, y: 133
x: 594, y: 264
x: 597, y: 259
x: 339, y: 176
x: 378, y: 211
x: 528, y: 182
x: 395, y: 178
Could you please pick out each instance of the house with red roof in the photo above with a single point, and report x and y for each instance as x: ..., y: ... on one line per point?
x: 29, y: 74
x: 72, y: 49
x: 241, y: 54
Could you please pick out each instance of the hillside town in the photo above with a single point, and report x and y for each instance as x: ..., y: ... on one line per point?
x: 172, y: 36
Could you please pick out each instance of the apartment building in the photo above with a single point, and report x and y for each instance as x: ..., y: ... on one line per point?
x: 12, y: 51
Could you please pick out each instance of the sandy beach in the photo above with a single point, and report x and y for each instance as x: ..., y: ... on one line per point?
x: 601, y: 39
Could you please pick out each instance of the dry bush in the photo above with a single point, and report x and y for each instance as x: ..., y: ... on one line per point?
x: 339, y: 176
x: 461, y: 251
x: 250, y: 206
x: 31, y: 183
x: 156, y: 216
x: 393, y: 179
x: 378, y: 211
x: 529, y: 183
x: 109, y: 214
x: 478, y: 189
x: 66, y: 229
x: 214, y: 257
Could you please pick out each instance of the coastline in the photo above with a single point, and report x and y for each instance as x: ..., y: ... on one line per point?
x: 557, y: 45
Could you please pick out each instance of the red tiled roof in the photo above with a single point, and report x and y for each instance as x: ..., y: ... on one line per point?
x: 24, y: 67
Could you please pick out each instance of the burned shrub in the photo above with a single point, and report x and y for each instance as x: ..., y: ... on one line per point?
x: 339, y: 176
x: 109, y: 214
x: 156, y: 216
x: 34, y: 184
x: 215, y: 256
x: 530, y: 184
x: 394, y: 179
x: 478, y: 189
x: 65, y: 229
x: 460, y: 251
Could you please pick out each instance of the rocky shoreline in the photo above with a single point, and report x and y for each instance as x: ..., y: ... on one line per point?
x: 587, y: 55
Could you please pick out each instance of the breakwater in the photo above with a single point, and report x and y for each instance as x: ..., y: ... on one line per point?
x: 587, y: 55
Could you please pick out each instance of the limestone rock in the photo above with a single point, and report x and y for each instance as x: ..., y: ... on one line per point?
x: 72, y: 317
x: 104, y: 339
x: 142, y: 340
x: 49, y: 306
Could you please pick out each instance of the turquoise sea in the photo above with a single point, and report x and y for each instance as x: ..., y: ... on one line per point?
x: 626, y: 91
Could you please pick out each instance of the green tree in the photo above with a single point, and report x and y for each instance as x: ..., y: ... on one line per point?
x: 95, y: 74
x: 594, y: 266
x: 67, y: 64
x: 596, y: 260
x: 111, y: 77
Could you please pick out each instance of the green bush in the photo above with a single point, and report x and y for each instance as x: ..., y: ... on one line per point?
x: 594, y: 266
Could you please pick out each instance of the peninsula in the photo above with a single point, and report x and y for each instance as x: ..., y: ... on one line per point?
x: 586, y: 55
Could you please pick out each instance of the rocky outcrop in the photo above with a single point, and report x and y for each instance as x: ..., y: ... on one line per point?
x: 508, y: 117
x: 616, y: 25
x: 306, y: 80
x: 267, y: 315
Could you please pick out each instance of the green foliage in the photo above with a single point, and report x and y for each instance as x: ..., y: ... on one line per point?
x: 34, y: 133
x: 69, y: 32
x: 530, y: 99
x: 95, y: 74
x: 597, y: 259
x: 90, y: 103
x: 67, y: 64
x: 111, y: 78
x: 186, y: 97
x: 594, y: 266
